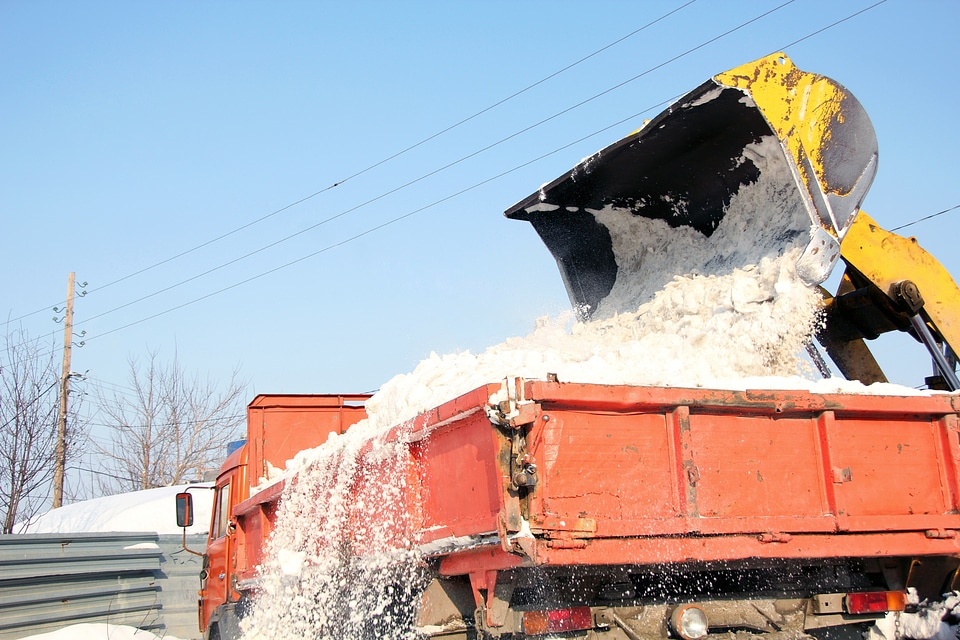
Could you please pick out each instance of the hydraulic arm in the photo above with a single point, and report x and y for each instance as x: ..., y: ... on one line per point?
x: 890, y: 283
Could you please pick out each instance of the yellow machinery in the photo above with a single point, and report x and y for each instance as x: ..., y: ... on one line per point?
x: 759, y: 122
x: 807, y: 147
x: 890, y: 283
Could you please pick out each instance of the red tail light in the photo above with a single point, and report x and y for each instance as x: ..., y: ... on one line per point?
x: 540, y: 622
x: 875, y: 602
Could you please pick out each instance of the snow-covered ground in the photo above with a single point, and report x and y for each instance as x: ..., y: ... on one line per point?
x: 99, y: 631
x: 140, y: 511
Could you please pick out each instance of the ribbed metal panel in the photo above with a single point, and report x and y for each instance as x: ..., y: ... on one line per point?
x: 179, y: 584
x: 48, y: 581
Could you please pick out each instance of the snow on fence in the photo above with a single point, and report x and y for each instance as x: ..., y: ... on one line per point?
x: 52, y: 580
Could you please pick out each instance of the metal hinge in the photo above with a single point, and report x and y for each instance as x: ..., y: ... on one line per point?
x: 562, y: 543
x: 842, y: 475
x: 523, y: 467
x: 774, y: 537
x: 560, y: 526
x: 514, y: 412
x: 511, y: 414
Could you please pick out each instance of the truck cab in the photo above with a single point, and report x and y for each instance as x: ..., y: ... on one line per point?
x: 278, y: 427
x: 218, y: 580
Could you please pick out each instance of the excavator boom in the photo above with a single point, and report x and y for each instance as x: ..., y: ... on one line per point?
x: 890, y: 284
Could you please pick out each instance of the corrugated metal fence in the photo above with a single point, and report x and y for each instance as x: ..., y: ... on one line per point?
x: 52, y: 580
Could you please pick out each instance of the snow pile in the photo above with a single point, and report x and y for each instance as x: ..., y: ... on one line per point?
x: 763, y: 220
x: 150, y: 510
x: 698, y: 331
x: 99, y: 631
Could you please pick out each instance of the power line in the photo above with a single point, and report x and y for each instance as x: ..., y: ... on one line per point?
x: 102, y: 473
x: 103, y: 384
x: 832, y: 25
x: 375, y: 164
x: 442, y: 168
x: 458, y: 193
x: 216, y: 420
x: 932, y: 215
x: 104, y: 388
x: 522, y: 91
x: 380, y: 226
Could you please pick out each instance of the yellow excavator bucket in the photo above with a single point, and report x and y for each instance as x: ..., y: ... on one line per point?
x: 795, y: 147
x: 826, y: 134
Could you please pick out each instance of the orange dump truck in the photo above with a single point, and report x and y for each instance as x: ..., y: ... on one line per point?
x: 653, y: 512
x: 543, y: 508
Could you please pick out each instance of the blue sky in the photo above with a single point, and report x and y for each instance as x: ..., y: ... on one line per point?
x: 133, y: 132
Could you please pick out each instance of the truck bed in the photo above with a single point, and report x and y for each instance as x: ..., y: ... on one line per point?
x: 654, y: 475
x: 605, y: 487
x: 628, y: 475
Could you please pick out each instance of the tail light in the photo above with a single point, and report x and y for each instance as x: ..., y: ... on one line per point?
x: 541, y: 622
x: 689, y: 622
x: 875, y: 602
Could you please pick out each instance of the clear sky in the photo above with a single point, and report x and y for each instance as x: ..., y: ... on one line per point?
x: 131, y: 133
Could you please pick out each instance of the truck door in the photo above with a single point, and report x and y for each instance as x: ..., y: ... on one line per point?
x: 217, y: 584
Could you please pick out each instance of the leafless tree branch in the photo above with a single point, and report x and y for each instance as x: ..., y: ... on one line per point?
x: 29, y: 404
x: 173, y: 429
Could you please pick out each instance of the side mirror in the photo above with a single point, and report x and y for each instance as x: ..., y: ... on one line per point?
x: 184, y: 510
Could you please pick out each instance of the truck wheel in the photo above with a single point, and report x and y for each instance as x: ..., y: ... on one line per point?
x: 213, y: 633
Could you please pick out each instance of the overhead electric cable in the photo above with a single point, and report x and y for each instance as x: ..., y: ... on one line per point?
x: 933, y: 215
x: 169, y: 424
x: 435, y: 203
x: 518, y: 93
x: 830, y: 26
x: 380, y: 162
x: 439, y: 169
x: 111, y: 387
x: 103, y: 473
x: 380, y: 226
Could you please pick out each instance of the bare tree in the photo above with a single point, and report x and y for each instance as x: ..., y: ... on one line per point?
x: 170, y: 428
x: 29, y: 402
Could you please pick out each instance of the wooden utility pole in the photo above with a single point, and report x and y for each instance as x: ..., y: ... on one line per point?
x: 61, y: 452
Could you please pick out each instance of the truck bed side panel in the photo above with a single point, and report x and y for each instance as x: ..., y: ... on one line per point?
x: 461, y: 487
x: 280, y: 426
x: 621, y: 470
x: 891, y: 474
x: 643, y: 469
